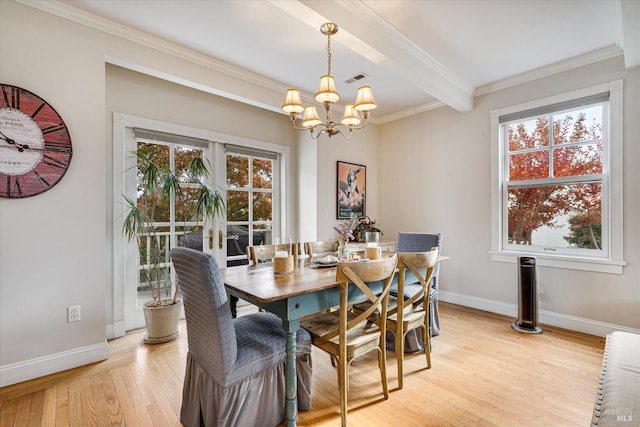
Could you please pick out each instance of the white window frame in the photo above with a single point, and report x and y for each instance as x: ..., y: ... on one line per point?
x: 612, y: 260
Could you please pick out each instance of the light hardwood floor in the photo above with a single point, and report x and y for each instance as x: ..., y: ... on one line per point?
x: 483, y: 374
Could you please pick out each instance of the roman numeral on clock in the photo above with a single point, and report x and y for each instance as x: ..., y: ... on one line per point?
x: 53, y: 128
x: 13, y: 188
x: 53, y: 162
x: 43, y: 182
x: 11, y: 97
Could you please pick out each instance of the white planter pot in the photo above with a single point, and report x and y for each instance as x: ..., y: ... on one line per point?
x: 162, y: 322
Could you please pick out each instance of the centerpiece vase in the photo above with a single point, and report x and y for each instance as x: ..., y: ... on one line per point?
x: 343, y: 251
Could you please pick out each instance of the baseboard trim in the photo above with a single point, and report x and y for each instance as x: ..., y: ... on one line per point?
x: 40, y: 366
x: 560, y: 320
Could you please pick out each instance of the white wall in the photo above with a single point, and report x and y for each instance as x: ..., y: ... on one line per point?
x: 436, y: 178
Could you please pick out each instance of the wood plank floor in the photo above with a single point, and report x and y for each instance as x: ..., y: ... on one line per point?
x: 483, y: 374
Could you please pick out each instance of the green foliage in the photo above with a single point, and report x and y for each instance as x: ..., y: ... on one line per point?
x: 584, y: 232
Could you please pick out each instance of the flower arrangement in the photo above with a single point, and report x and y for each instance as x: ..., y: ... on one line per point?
x: 345, y: 229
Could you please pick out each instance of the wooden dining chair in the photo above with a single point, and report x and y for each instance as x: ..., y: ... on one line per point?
x: 412, y: 313
x: 321, y: 248
x: 345, y: 335
x: 265, y: 253
x: 422, y: 242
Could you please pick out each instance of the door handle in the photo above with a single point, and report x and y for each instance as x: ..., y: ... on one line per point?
x: 210, y: 239
x: 220, y: 238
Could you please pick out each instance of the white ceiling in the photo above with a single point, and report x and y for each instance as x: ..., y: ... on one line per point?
x: 418, y: 54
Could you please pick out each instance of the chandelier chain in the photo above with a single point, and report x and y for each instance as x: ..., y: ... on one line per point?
x: 329, y: 54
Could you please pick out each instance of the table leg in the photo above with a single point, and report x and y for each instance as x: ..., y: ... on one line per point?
x: 291, y: 393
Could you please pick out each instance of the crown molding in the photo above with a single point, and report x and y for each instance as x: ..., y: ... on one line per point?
x: 558, y: 67
x: 410, y: 112
x: 71, y: 13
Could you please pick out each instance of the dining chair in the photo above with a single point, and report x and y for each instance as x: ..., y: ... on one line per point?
x: 265, y: 253
x: 421, y: 242
x: 345, y: 335
x: 321, y: 248
x: 235, y: 367
x: 407, y: 314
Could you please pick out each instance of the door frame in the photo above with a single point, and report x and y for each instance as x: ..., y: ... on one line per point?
x: 124, y: 143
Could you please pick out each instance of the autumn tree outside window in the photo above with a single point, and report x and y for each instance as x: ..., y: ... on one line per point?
x: 554, y: 190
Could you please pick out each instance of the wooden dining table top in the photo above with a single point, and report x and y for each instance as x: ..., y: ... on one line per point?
x: 261, y: 284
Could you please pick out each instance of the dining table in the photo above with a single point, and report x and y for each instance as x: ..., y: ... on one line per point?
x: 310, y: 288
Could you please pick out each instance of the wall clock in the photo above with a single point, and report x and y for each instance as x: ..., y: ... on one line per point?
x: 35, y: 145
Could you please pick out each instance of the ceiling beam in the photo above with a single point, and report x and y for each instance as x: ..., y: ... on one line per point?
x: 377, y: 40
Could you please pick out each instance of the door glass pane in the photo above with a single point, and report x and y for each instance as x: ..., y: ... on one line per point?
x: 237, y: 205
x: 262, y: 173
x: 262, y: 207
x: 237, y: 171
x: 250, y: 209
x: 174, y: 215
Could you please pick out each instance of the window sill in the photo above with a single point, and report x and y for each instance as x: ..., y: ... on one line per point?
x: 560, y: 261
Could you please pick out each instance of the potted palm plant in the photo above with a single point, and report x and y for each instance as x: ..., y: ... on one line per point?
x: 194, y: 203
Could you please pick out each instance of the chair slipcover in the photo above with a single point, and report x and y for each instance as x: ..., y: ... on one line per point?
x: 419, y: 242
x: 235, y: 373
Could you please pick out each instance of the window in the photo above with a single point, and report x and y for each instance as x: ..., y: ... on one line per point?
x: 557, y: 189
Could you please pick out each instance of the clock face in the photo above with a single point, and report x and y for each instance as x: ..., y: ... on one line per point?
x: 35, y: 145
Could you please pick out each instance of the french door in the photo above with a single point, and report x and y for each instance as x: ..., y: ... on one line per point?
x: 251, y: 182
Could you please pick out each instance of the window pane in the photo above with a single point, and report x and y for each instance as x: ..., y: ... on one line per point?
x: 237, y: 171
x: 182, y: 159
x: 262, y: 173
x: 237, y: 205
x: 237, y: 240
x: 186, y: 205
x: 563, y: 216
x: 528, y: 134
x: 262, y: 207
x: 584, y: 124
x: 262, y: 234
x: 532, y: 165
x: 584, y: 159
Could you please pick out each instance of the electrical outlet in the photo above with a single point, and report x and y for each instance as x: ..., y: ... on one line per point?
x: 73, y: 313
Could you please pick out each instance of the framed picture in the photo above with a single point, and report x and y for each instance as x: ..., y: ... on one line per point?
x: 351, y: 194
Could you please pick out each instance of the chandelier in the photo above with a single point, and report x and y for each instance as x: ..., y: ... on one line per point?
x: 327, y: 95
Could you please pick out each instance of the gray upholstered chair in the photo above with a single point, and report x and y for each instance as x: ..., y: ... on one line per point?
x: 421, y: 242
x: 235, y: 373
